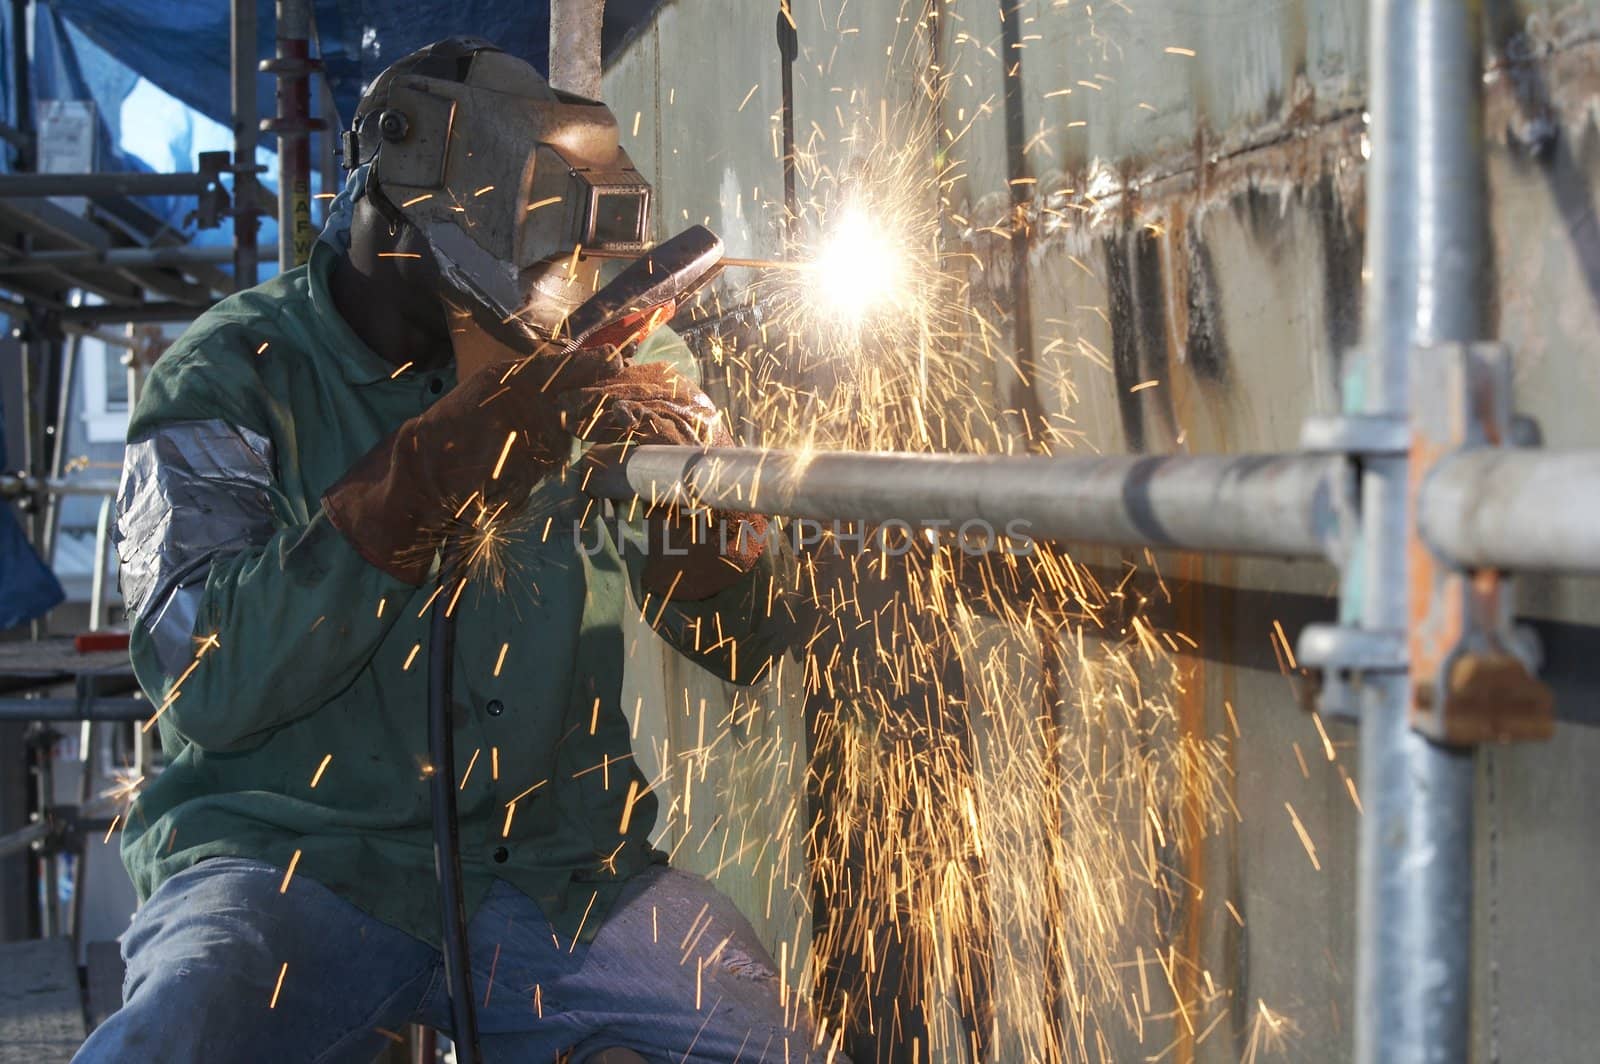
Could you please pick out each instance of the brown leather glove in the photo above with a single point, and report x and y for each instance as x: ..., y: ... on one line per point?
x: 395, y: 504
x: 652, y: 403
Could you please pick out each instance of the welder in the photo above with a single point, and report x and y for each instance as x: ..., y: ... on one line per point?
x: 296, y: 469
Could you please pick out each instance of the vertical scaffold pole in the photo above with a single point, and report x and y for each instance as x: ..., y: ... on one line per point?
x: 245, y: 255
x: 1426, y: 247
x: 293, y: 66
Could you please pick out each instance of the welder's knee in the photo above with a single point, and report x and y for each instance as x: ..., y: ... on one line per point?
x: 224, y: 963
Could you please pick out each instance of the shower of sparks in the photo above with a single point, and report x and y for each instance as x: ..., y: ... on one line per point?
x: 1011, y: 770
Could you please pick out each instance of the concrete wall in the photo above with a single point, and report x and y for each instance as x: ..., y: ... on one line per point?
x: 1197, y: 221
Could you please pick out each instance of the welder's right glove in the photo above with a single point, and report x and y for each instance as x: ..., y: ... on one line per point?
x: 652, y: 403
x: 397, y: 502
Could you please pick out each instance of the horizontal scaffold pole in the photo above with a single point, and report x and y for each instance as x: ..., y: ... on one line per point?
x: 1515, y: 509
x: 119, y: 258
x: 110, y: 183
x: 1503, y: 508
x: 1275, y: 505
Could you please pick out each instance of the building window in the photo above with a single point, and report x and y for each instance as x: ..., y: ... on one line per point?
x: 105, y: 392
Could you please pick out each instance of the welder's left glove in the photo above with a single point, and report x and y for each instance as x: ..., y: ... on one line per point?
x: 492, y: 437
x: 652, y: 403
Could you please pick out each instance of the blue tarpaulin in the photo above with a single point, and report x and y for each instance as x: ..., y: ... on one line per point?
x: 183, y: 45
x: 27, y: 588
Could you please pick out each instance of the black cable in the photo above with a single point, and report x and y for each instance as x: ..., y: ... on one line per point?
x: 457, y: 951
x: 788, y: 51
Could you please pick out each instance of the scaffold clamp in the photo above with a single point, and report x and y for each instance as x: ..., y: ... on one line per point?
x: 1474, y: 671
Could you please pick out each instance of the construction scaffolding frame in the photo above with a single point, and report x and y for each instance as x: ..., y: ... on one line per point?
x: 141, y: 271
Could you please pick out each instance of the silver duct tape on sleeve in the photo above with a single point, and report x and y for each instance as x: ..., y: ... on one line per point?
x: 192, y: 492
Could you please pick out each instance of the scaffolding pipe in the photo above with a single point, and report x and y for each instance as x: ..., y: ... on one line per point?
x: 17, y: 186
x: 125, y: 343
x: 58, y: 446
x: 97, y: 572
x: 118, y: 258
x: 293, y: 124
x: 1424, y: 284
x: 1499, y: 508
x: 788, y: 52
x: 22, y: 87
x: 575, y: 46
x: 1277, y: 505
x: 1492, y: 508
x: 246, y: 261
x: 13, y: 485
x: 101, y: 314
x: 64, y: 709
x: 40, y: 831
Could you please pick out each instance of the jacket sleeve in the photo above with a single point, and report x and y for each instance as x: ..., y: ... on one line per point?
x: 245, y: 616
x: 736, y: 634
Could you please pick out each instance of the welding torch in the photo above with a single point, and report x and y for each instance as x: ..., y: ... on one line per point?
x: 653, y: 287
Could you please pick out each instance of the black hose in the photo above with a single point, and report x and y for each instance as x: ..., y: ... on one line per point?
x: 457, y: 950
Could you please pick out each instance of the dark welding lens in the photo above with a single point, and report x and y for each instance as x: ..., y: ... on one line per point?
x: 618, y: 216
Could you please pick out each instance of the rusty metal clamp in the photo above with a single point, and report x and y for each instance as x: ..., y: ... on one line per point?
x: 1474, y: 671
x: 1342, y: 653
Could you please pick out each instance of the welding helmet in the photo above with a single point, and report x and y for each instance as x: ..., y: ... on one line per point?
x: 506, y: 178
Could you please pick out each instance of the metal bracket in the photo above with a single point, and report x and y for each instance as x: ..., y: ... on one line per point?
x: 213, y: 198
x: 1473, y: 671
x: 1355, y: 435
x: 1343, y: 654
x: 65, y: 831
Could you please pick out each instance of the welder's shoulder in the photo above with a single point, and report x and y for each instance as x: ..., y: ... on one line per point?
x: 214, y: 370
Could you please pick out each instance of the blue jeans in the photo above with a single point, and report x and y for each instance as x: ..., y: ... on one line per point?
x: 675, y: 974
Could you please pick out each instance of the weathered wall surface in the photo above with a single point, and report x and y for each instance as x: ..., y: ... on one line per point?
x: 1195, y: 220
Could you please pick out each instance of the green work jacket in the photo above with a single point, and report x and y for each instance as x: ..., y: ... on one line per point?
x: 299, y: 733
